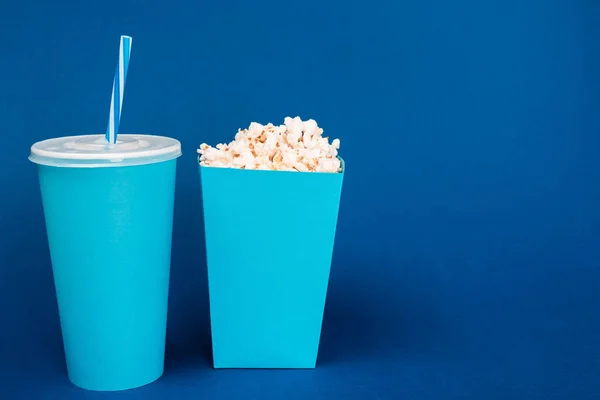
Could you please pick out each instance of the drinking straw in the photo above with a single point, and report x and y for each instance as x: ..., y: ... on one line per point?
x: 118, y: 89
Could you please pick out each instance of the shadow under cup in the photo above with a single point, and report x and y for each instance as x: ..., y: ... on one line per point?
x: 109, y: 232
x: 269, y: 242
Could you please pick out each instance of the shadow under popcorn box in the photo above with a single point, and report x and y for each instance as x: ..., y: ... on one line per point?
x: 269, y: 244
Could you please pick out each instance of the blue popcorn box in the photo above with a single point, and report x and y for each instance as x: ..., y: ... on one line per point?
x: 269, y: 243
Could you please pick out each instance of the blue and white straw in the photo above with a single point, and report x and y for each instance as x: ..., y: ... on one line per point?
x: 116, y: 101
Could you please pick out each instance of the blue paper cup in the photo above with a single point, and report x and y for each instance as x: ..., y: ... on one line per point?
x: 269, y: 243
x: 109, y: 217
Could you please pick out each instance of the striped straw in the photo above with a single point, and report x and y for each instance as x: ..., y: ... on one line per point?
x: 118, y: 89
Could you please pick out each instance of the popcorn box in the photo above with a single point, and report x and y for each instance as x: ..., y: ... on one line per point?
x: 269, y: 243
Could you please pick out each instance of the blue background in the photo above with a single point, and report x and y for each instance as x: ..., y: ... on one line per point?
x: 467, y: 260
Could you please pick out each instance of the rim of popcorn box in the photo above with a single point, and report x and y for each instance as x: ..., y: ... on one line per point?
x: 341, y: 171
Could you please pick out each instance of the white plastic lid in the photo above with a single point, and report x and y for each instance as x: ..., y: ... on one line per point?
x: 92, y: 151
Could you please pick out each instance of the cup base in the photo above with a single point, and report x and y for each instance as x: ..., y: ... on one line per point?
x: 118, y: 387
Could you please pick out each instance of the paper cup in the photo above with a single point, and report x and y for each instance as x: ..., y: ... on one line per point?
x: 109, y: 217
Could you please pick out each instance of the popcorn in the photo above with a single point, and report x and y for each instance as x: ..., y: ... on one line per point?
x: 294, y: 146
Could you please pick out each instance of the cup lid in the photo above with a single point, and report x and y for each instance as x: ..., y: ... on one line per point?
x: 92, y: 151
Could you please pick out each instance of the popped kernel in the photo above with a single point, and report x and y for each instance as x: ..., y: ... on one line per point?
x: 294, y: 146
